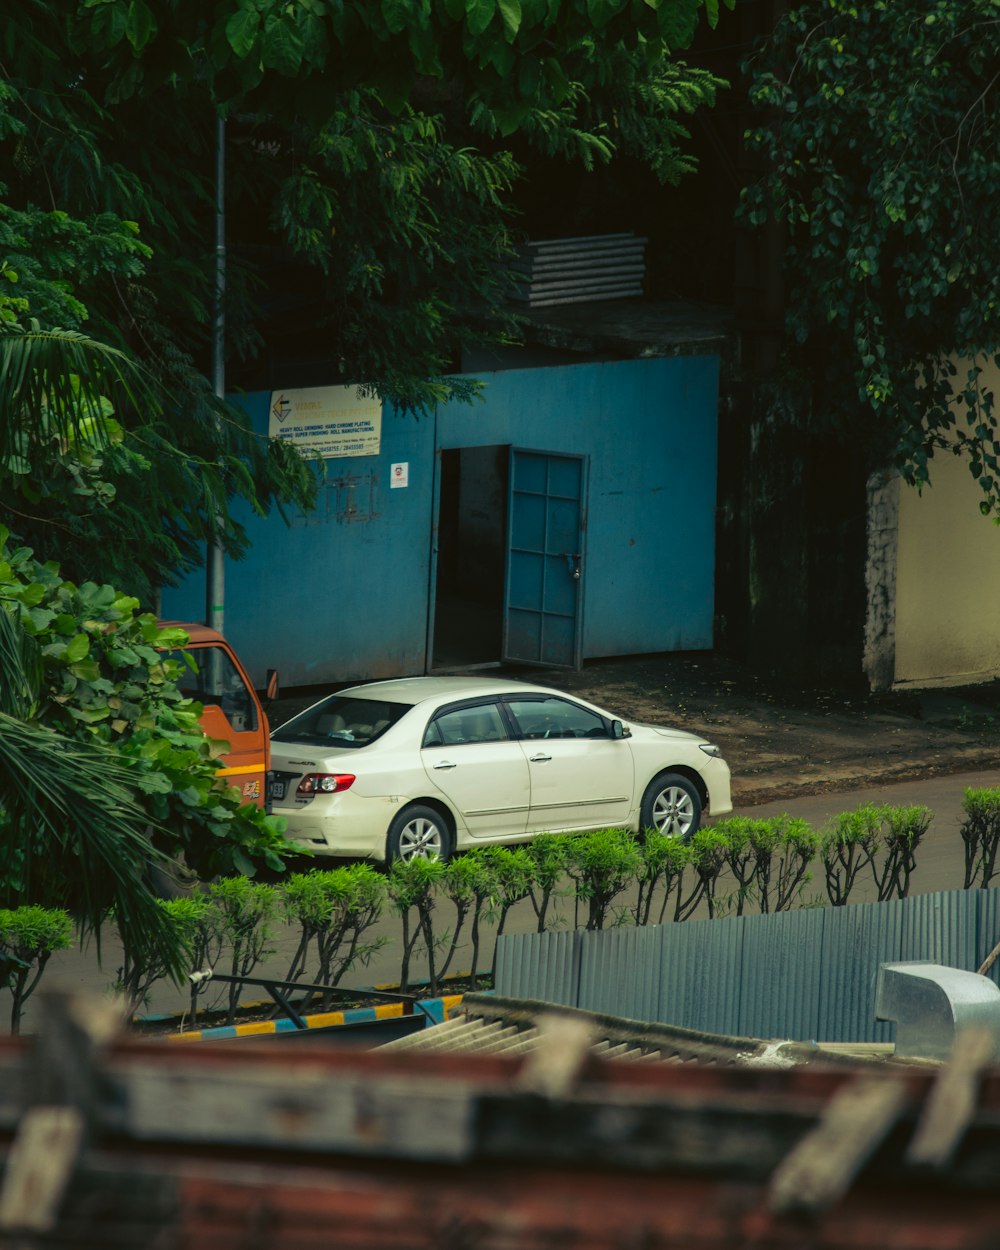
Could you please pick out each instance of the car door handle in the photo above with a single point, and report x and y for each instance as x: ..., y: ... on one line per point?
x: 444, y: 764
x: 538, y: 759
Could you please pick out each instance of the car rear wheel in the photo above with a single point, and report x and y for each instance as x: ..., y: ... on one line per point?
x: 418, y: 833
x: 671, y: 806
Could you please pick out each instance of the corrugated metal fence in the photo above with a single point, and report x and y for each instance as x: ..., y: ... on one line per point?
x: 804, y: 975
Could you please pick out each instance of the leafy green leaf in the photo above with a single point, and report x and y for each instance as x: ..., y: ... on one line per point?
x: 282, y: 45
x: 479, y: 14
x: 77, y: 648
x: 510, y: 12
x: 140, y: 25
x: 242, y: 29
x: 397, y: 15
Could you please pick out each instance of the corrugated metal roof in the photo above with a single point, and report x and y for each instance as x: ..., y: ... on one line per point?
x: 492, y: 1025
x: 233, y: 1147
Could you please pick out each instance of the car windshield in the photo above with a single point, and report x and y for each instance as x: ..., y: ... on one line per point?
x: 341, y: 721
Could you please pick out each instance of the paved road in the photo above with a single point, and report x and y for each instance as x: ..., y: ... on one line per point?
x: 939, y: 867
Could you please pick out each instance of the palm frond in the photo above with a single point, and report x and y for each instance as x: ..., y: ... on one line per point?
x: 68, y: 376
x: 20, y: 668
x: 72, y: 835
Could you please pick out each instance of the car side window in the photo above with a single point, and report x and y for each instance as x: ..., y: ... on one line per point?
x: 482, y: 723
x: 556, y: 718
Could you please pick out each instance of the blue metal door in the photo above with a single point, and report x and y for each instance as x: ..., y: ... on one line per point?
x: 542, y: 616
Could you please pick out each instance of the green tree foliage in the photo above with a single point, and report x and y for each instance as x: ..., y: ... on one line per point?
x: 369, y: 188
x: 104, y: 771
x: 92, y: 474
x: 91, y: 668
x: 469, y: 883
x: 879, y: 125
x: 769, y: 859
x: 664, y: 861
x: 547, y: 852
x: 366, y: 163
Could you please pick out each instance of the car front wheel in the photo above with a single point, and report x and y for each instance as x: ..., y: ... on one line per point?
x: 418, y: 833
x: 671, y: 806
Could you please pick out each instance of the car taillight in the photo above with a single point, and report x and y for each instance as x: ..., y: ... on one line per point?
x: 325, y: 783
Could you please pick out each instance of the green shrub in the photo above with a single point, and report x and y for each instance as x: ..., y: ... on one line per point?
x: 548, y: 853
x: 247, y: 911
x: 513, y: 873
x: 784, y: 854
x: 603, y: 864
x: 709, y: 856
x: 469, y: 882
x: 848, y: 845
x: 412, y: 884
x: 29, y: 936
x: 980, y: 832
x: 138, y: 973
x: 877, y: 836
x: 903, y: 829
x: 334, y: 909
x: 664, y: 861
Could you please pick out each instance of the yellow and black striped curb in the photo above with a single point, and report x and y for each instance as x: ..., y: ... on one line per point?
x: 436, y: 1011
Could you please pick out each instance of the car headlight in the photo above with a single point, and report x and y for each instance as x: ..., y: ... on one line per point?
x: 710, y: 749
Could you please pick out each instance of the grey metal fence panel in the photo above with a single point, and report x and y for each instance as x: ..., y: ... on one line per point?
x: 781, y: 974
x: 544, y: 966
x: 619, y: 972
x: 987, y: 928
x: 807, y: 974
x: 942, y: 928
x: 858, y: 939
x: 700, y: 984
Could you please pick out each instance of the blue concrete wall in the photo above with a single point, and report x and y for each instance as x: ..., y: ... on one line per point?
x: 334, y: 598
x: 649, y: 428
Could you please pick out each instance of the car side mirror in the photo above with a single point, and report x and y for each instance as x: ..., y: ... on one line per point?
x: 618, y: 730
x: 271, y: 688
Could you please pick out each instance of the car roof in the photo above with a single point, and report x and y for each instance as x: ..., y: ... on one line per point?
x: 195, y: 631
x: 441, y: 689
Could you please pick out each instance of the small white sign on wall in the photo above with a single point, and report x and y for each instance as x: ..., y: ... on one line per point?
x: 399, y: 474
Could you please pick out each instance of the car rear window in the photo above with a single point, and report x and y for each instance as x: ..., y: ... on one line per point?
x: 342, y: 722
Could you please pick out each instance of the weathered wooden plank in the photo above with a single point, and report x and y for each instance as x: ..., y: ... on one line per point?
x: 39, y: 1167
x: 822, y: 1167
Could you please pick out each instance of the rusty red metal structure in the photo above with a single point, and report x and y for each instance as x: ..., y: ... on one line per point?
x: 231, y: 1147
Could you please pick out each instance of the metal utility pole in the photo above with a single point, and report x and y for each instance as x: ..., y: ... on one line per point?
x: 215, y: 587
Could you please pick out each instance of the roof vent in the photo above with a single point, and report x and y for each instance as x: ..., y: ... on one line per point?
x: 574, y: 271
x: 931, y: 1004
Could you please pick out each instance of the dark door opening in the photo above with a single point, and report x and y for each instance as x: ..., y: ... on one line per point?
x: 471, y: 557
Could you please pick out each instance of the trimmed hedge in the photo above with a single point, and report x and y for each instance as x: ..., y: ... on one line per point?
x: 736, y: 865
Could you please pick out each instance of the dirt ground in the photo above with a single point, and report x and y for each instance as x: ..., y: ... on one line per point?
x: 780, y: 741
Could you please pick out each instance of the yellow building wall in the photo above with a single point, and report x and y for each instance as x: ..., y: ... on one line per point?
x: 947, y: 582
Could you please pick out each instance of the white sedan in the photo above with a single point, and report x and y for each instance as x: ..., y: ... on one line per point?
x: 426, y: 766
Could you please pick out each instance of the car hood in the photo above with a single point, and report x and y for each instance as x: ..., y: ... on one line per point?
x: 677, y: 735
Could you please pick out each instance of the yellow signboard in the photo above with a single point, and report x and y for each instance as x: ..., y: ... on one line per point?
x: 328, y: 420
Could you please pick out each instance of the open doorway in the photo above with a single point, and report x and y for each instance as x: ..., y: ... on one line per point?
x: 471, y: 558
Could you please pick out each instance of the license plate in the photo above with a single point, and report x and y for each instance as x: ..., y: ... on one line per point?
x: 277, y: 789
